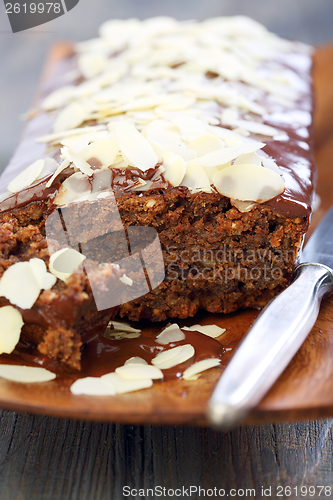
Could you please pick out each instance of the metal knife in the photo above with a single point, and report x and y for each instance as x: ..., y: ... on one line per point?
x: 277, y: 333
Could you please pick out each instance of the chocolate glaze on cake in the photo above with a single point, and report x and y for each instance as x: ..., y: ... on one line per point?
x: 190, y: 225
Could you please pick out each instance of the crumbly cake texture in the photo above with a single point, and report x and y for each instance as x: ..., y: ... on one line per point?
x: 201, y: 131
x: 217, y: 258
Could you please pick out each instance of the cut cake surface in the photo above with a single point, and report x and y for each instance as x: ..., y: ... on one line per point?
x: 201, y: 131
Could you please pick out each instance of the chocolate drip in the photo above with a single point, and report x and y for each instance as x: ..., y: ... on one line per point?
x: 294, y: 156
x: 122, y: 182
x: 101, y: 355
x: 36, y: 192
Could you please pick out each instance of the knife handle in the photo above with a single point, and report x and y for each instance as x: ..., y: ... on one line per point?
x: 269, y: 345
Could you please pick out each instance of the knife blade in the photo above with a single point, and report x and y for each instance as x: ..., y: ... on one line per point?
x: 277, y: 334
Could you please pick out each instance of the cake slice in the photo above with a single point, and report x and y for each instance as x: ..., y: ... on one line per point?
x: 201, y: 132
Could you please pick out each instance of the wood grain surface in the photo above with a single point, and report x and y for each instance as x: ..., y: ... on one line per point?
x: 53, y: 459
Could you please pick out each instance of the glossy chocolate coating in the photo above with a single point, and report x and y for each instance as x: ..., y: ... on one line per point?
x: 101, y: 355
x: 294, y: 156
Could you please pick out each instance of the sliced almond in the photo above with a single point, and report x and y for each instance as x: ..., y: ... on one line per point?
x: 56, y: 137
x: 165, y: 134
x: 102, y: 181
x: 92, y: 64
x: 77, y: 159
x: 179, y: 103
x: 224, y: 155
x: 103, y: 195
x: 135, y: 147
x: 19, y: 285
x: 142, y: 117
x: 27, y: 177
x: 248, y: 183
x: 249, y: 105
x: 194, y: 377
x: 141, y: 82
x: 117, y: 335
x: 105, y: 150
x: 11, y: 324
x: 65, y: 262
x: 140, y: 185
x: 126, y: 280
x: 243, y: 206
x: 70, y: 117
x: 87, y: 88
x: 26, y: 374
x: 200, y: 367
x: 173, y: 357
x: 205, y: 144
x: 213, y: 170
x: 122, y: 386
x: 92, y: 386
x: 175, y: 168
x: 157, y: 148
x: 5, y: 195
x: 72, y: 140
x: 45, y: 280
x: 227, y: 135
x: 79, y: 145
x: 122, y: 327
x: 195, y: 177
x: 252, y: 158
x: 59, y: 98
x: 170, y: 334
x: 190, y: 127
x: 136, y: 359
x: 139, y: 371
x: 241, y: 131
x: 209, y: 330
x: 50, y: 166
x: 88, y: 136
x: 229, y: 116
x: 257, y: 128
x: 123, y: 93
x: 117, y: 70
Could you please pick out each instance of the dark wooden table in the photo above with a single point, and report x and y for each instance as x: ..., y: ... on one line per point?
x: 51, y: 458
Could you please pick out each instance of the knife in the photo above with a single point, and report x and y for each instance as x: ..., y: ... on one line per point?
x: 277, y: 334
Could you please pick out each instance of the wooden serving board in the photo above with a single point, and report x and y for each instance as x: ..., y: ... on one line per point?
x: 304, y: 390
